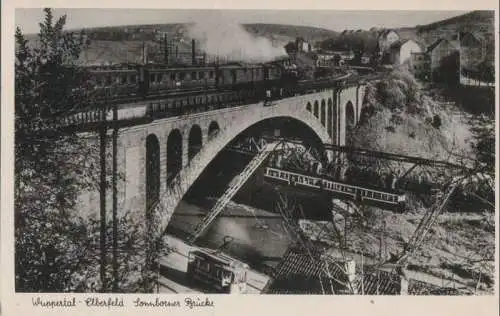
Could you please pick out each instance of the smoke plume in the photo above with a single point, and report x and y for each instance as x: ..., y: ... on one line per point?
x: 219, y: 36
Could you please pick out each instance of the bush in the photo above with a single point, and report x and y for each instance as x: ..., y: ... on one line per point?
x: 436, y: 121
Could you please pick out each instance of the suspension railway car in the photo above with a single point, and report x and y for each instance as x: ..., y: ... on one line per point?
x: 217, y: 271
x: 381, y: 197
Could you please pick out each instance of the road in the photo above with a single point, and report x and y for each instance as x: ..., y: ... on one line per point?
x: 258, y: 238
x: 173, y: 279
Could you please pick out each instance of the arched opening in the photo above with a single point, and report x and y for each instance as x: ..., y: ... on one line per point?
x: 350, y: 122
x: 226, y: 164
x: 213, y: 128
x: 309, y: 106
x: 152, y: 172
x: 323, y: 112
x: 174, y: 154
x: 329, y: 117
x: 316, y: 109
x: 194, y: 141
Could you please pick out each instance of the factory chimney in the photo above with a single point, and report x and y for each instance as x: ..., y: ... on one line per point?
x: 193, y: 52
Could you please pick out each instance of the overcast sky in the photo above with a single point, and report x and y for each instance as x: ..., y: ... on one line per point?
x: 28, y: 19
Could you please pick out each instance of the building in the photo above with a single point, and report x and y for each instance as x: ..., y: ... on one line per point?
x: 401, y: 51
x: 420, y: 65
x: 302, y: 45
x: 303, y: 272
x: 385, y: 39
x: 444, y: 61
x: 471, y: 49
x: 333, y: 58
x: 366, y: 59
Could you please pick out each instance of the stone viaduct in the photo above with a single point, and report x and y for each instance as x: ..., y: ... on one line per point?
x: 161, y: 159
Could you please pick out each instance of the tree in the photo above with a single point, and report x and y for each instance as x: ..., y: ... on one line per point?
x: 47, y: 86
x: 56, y: 245
x: 291, y: 48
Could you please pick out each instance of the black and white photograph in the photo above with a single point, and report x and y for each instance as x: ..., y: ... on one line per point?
x: 306, y: 152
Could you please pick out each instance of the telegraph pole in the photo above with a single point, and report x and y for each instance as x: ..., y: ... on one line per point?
x: 102, y: 191
x: 165, y: 49
x: 115, y: 200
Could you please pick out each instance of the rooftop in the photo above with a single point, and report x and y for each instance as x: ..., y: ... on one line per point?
x: 301, y: 273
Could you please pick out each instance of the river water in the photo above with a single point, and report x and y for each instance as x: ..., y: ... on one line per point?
x: 256, y: 236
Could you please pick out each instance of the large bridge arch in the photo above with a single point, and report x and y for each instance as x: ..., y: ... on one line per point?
x: 239, y: 120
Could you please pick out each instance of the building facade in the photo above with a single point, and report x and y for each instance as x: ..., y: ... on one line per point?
x: 401, y: 51
x: 420, y: 65
x: 471, y: 50
x: 386, y: 38
x: 444, y: 61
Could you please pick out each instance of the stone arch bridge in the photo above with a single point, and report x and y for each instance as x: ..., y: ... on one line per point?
x: 161, y: 159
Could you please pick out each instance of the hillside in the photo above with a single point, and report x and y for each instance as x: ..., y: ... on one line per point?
x: 460, y: 246
x: 119, y: 44
x: 312, y: 34
x: 481, y: 23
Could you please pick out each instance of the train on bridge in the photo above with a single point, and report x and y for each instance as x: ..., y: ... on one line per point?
x: 268, y: 80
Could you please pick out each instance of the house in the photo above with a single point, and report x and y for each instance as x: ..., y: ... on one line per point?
x: 439, y: 50
x: 302, y: 45
x: 401, y: 51
x: 420, y: 65
x: 385, y: 39
x: 471, y: 49
x: 308, y: 272
x: 303, y: 272
x: 366, y: 59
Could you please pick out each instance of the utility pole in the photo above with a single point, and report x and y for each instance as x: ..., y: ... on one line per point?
x: 115, y: 199
x: 102, y: 140
x: 165, y: 49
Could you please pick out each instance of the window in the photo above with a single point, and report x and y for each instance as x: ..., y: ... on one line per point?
x: 123, y: 79
x: 211, y: 74
x: 159, y: 77
x: 205, y: 266
x: 182, y: 76
x: 193, y: 75
x: 133, y: 79
x: 201, y: 75
x: 172, y: 76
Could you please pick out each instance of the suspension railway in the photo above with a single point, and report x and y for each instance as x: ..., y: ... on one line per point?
x: 222, y: 273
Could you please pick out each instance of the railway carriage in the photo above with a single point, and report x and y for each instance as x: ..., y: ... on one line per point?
x: 217, y: 271
x: 362, y: 193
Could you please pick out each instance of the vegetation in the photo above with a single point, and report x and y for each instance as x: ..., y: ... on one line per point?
x: 360, y: 42
x: 57, y: 246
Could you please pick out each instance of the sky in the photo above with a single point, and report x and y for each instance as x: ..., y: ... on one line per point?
x: 28, y: 19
